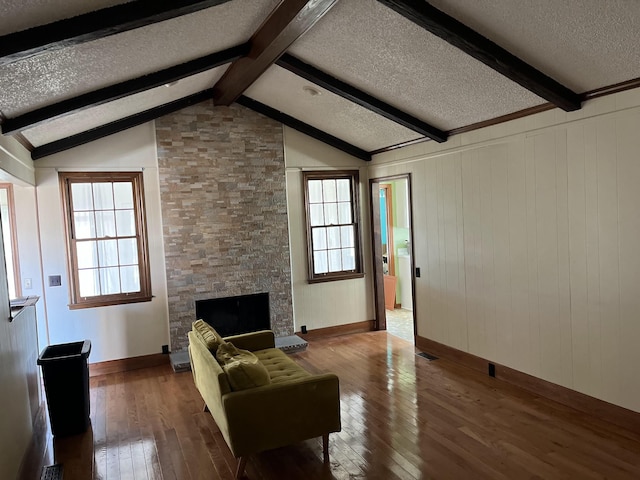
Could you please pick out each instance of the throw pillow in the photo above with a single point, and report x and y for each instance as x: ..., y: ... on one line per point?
x: 207, y: 334
x: 229, y: 352
x: 242, y: 367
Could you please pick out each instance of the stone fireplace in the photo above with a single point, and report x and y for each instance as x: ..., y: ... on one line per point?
x: 224, y: 212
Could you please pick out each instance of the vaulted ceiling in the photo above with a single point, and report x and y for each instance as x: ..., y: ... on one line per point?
x: 362, y: 75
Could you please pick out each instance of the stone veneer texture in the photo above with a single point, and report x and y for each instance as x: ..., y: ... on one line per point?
x: 224, y: 212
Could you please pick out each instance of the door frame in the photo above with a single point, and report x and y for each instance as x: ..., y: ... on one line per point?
x: 391, y: 258
x: 376, y: 249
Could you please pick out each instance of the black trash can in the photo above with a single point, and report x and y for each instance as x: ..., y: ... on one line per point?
x: 65, y: 371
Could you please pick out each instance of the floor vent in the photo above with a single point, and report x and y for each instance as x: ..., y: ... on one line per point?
x: 427, y: 356
x: 52, y: 472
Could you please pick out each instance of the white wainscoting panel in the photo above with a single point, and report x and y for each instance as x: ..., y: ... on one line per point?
x: 529, y: 245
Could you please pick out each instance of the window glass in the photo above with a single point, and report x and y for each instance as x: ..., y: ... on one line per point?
x: 105, y: 224
x: 103, y: 196
x: 126, y: 223
x: 332, y: 225
x: 123, y: 195
x: 329, y: 190
x: 344, y: 190
x: 82, y: 194
x: 106, y: 238
x: 87, y: 254
x: 85, y: 225
x: 315, y: 191
x: 128, y: 251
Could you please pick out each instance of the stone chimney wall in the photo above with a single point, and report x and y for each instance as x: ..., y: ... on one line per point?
x: 224, y: 212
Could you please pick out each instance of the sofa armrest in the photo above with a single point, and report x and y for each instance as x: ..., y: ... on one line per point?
x: 253, y: 341
x: 280, y: 414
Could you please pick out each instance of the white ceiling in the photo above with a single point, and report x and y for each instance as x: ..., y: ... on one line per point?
x: 583, y: 44
x: 367, y: 45
x: 124, y: 107
x: 32, y: 13
x: 284, y: 91
x: 65, y: 73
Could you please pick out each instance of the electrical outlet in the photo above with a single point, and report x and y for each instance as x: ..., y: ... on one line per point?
x: 417, y: 272
x: 165, y: 349
x: 303, y: 329
x: 27, y: 284
x: 492, y: 370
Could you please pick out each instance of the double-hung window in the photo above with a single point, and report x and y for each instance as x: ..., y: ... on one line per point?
x: 106, y: 238
x: 333, y: 236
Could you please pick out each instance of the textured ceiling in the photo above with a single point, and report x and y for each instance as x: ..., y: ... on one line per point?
x: 68, y: 72
x: 377, y: 50
x: 583, y: 44
x: 332, y: 114
x: 32, y: 13
x: 124, y: 107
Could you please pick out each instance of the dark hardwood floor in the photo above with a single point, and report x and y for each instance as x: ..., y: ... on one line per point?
x: 403, y: 417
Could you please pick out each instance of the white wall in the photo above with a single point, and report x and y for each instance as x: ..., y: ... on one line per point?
x: 118, y: 331
x: 327, y: 304
x: 19, y: 379
x: 18, y: 372
x: 527, y: 237
x: 16, y: 165
x: 29, y: 253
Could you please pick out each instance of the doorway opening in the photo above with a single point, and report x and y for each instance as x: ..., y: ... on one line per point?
x: 393, y: 257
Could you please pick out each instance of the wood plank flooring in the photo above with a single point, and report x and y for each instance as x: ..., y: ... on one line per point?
x: 403, y: 417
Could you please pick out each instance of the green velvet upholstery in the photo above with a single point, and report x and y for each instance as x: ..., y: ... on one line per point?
x: 280, y: 367
x: 207, y: 334
x: 253, y: 341
x: 242, y: 367
x: 295, y: 406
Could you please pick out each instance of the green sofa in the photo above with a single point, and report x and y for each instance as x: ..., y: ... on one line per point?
x: 293, y: 406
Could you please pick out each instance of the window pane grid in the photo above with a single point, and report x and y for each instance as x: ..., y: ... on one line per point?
x: 104, y: 235
x: 332, y: 225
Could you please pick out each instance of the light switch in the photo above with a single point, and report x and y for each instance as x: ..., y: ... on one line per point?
x: 27, y: 284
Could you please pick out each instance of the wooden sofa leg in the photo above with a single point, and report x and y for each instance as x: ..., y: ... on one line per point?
x: 242, y: 463
x: 325, y: 447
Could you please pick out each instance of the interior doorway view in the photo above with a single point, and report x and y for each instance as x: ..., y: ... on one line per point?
x: 392, y: 233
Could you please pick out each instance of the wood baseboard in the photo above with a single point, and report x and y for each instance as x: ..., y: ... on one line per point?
x: 348, y: 329
x: 606, y: 411
x: 126, y: 364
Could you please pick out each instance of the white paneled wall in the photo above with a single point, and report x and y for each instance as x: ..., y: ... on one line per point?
x: 528, y: 237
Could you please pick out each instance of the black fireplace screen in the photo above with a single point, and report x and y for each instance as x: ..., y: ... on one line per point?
x: 236, y: 315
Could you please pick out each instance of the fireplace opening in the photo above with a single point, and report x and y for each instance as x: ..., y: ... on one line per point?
x: 236, y: 315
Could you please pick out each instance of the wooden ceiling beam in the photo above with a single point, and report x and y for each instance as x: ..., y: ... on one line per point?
x: 94, y: 25
x: 481, y: 48
x: 290, y: 20
x: 123, y: 89
x: 359, y: 97
x: 119, y: 125
x: 305, y: 128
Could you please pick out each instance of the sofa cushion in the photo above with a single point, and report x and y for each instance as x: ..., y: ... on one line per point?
x: 242, y: 367
x: 280, y: 366
x: 207, y: 334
